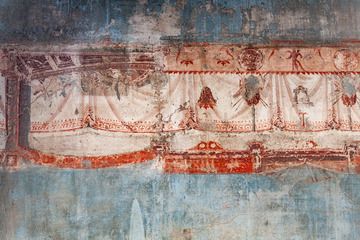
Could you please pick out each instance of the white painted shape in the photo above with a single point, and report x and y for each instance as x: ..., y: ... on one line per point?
x: 137, y: 231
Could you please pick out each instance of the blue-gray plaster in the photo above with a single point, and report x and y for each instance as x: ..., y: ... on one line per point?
x: 198, y: 20
x: 299, y: 203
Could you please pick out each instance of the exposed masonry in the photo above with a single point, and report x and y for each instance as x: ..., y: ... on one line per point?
x: 235, y: 100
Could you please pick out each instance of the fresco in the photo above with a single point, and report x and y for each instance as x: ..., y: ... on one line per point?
x: 179, y: 119
x: 2, y: 112
x: 298, y: 203
x: 221, y: 109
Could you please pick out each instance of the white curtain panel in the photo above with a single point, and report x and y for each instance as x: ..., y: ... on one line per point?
x: 292, y: 102
x: 301, y: 101
x: 64, y: 103
x: 232, y: 113
x: 205, y: 102
x: 132, y: 110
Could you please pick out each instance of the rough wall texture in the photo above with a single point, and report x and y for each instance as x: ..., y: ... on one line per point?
x: 179, y: 119
x: 97, y: 205
x: 236, y: 21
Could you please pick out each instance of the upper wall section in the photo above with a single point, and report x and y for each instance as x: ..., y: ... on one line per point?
x: 149, y: 21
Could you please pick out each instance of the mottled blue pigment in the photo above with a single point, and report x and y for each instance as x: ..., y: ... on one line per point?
x: 300, y: 203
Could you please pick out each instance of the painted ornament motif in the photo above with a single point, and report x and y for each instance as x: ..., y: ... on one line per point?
x: 345, y: 60
x: 249, y: 89
x: 251, y: 59
x: 349, y: 88
x: 206, y: 99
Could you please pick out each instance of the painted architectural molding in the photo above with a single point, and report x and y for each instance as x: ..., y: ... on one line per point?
x: 88, y: 162
x: 132, y: 61
x: 211, y: 158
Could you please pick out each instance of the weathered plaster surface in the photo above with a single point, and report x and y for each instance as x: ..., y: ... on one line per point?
x: 302, y: 202
x: 52, y: 204
x: 197, y: 20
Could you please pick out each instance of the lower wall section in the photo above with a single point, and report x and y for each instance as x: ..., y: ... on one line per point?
x: 141, y: 203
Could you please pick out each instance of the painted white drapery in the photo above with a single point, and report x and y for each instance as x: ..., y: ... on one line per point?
x: 63, y: 104
x: 216, y: 102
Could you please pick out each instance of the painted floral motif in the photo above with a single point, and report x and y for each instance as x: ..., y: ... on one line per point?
x: 189, y: 121
x: 345, y: 60
x: 224, y: 57
x: 251, y: 59
x: 51, y: 87
x: 206, y: 99
x: 278, y: 120
x: 333, y: 123
x: 89, y: 118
